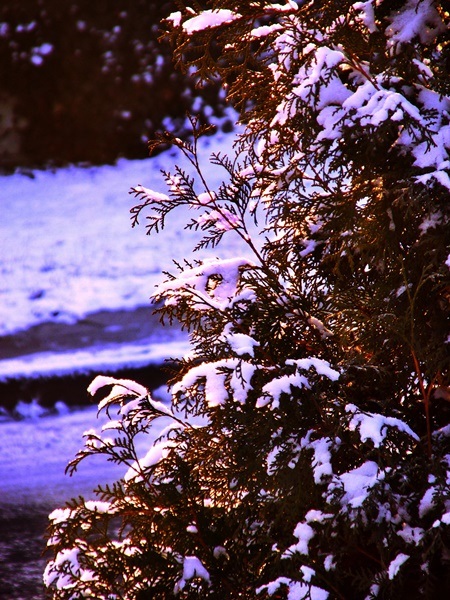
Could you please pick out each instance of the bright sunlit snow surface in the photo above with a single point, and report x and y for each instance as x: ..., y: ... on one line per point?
x: 67, y: 247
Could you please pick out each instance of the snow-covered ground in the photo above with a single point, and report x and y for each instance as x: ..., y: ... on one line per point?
x: 36, y: 450
x: 67, y: 250
x: 67, y: 247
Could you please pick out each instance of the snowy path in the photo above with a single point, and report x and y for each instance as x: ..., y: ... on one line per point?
x: 35, y: 453
x: 103, y: 341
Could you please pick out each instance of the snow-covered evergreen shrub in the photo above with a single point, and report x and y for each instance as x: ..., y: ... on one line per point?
x: 306, y: 453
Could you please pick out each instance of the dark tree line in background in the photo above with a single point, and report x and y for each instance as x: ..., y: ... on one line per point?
x: 88, y: 82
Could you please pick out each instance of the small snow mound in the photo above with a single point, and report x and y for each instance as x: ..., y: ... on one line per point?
x: 30, y: 410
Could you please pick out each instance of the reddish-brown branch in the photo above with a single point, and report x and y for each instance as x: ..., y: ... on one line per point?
x: 426, y: 393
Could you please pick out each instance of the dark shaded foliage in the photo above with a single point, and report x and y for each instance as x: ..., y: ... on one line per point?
x: 88, y: 82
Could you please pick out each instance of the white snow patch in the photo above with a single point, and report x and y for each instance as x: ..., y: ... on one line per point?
x: 322, y: 458
x: 427, y: 502
x: 297, y: 589
x: 374, y: 427
x: 157, y: 452
x: 430, y: 222
x: 357, y: 483
x: 208, y: 19
x: 241, y: 343
x: 92, y: 359
x: 127, y: 384
x: 416, y: 19
x: 321, y: 366
x: 175, y: 18
x: 192, y: 567
x: 411, y: 534
x: 304, y: 533
x: 30, y: 410
x: 394, y: 566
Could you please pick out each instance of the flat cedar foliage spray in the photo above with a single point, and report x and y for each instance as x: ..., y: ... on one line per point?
x: 306, y: 453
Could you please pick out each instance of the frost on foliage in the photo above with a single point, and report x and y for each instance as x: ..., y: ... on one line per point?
x: 131, y: 410
x: 428, y: 501
x: 152, y: 195
x: 321, y: 464
x: 321, y: 450
x: 358, y: 482
x: 212, y: 285
x: 127, y: 393
x: 327, y: 482
x: 209, y: 19
x: 345, y: 95
x: 69, y: 569
x: 411, y: 535
x: 156, y: 453
x: 240, y: 343
x: 119, y: 388
x: 305, y: 532
x: 431, y: 221
x: 68, y: 558
x: 417, y: 20
x: 223, y: 219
